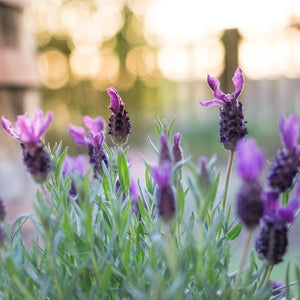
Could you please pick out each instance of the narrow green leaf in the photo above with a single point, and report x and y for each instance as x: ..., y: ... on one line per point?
x: 123, y: 172
x: 169, y: 129
x: 106, y: 187
x: 235, y: 232
x: 105, y: 278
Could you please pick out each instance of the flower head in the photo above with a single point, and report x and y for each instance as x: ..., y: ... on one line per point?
x: 232, y: 124
x: 27, y: 130
x: 74, y: 164
x: 78, y: 133
x: 220, y: 97
x: 162, y: 173
x: 119, y: 122
x: 250, y: 159
x: 176, y: 150
x: 289, y: 131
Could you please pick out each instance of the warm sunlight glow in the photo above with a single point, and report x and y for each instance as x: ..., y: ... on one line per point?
x: 53, y: 67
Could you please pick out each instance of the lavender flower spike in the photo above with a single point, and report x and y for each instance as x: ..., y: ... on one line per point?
x: 250, y: 162
x: 287, y: 162
x: 232, y: 124
x: 119, y: 122
x: 176, y: 150
x: 250, y: 159
x: 164, y: 193
x: 26, y: 130
x: 29, y: 133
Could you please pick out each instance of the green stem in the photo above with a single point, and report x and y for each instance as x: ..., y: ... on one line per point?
x: 265, y: 275
x: 243, y: 261
x: 228, y: 172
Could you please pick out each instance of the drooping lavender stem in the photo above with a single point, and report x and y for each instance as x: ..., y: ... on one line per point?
x: 228, y: 173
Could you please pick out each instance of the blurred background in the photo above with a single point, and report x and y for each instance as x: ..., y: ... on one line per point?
x: 63, y: 55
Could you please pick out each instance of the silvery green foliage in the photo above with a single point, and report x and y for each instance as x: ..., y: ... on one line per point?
x: 93, y: 245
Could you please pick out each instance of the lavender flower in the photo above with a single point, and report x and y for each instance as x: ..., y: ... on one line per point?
x: 272, y: 241
x: 232, y: 124
x: 176, y: 150
x: 250, y: 160
x: 164, y: 194
x: 72, y: 165
x: 287, y: 162
x: 94, y: 141
x: 164, y: 153
x: 29, y: 133
x: 119, y: 123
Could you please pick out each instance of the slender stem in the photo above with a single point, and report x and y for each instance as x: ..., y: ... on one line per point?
x: 46, y: 195
x: 242, y: 264
x: 228, y: 172
x: 265, y: 275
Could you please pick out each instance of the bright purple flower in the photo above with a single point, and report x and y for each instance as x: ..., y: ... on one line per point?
x: 220, y: 97
x: 96, y: 138
x: 26, y: 130
x: 116, y: 103
x: 250, y: 159
x: 97, y: 124
x: 289, y: 131
x: 232, y: 124
x: 119, y: 122
x: 162, y: 173
x: 287, y: 161
x: 74, y: 164
x: 79, y: 135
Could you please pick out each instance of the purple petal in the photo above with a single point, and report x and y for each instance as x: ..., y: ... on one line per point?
x: 44, y: 124
x: 133, y: 190
x: 287, y: 214
x: 96, y: 124
x: 271, y: 201
x: 289, y: 131
x: 211, y: 102
x: 96, y: 138
x: 116, y: 103
x: 162, y: 173
x: 176, y: 139
x: 238, y: 81
x: 215, y: 86
x: 250, y: 159
x: 9, y: 128
x: 78, y: 134
x: 74, y: 164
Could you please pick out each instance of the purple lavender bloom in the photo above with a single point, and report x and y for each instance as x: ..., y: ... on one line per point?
x: 164, y: 193
x: 94, y: 141
x: 232, y: 124
x: 204, y: 177
x: 176, y: 150
x: 29, y: 132
x: 119, y: 122
x: 250, y: 163
x: 26, y: 130
x: 287, y: 162
x: 272, y: 241
x: 250, y: 159
x: 275, y: 285
x: 164, y: 153
x: 72, y: 165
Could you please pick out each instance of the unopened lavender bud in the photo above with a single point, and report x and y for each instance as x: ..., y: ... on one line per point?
x: 164, y: 194
x: 164, y: 153
x: 204, y: 177
x: 232, y: 124
x: 176, y: 150
x: 119, y: 122
x: 2, y: 210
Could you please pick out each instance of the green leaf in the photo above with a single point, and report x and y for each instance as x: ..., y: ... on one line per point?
x: 105, y: 278
x: 123, y: 172
x: 235, y: 232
